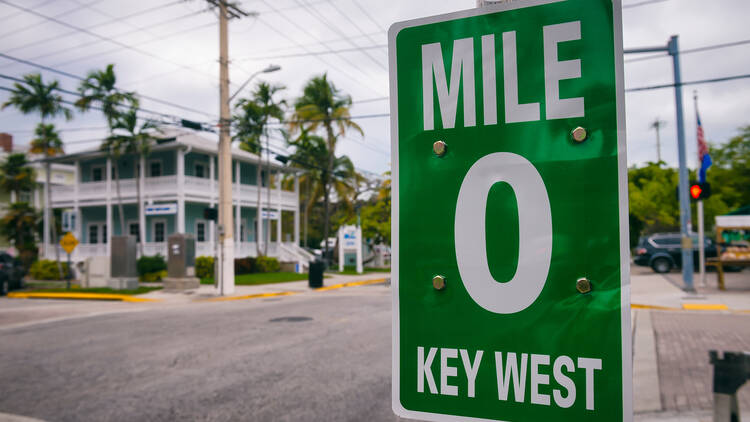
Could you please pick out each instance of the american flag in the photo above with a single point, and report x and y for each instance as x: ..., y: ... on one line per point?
x: 703, y: 157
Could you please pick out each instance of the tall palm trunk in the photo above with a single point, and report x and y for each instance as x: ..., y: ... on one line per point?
x: 268, y: 193
x: 119, y: 204
x: 259, y: 218
x: 327, y: 183
x: 51, y: 215
x: 141, y: 230
x: 307, y: 208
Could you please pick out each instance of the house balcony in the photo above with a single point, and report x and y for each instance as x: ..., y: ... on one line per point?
x: 164, y: 188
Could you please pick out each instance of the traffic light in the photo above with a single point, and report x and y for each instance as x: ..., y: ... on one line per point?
x: 700, y: 191
x: 210, y: 214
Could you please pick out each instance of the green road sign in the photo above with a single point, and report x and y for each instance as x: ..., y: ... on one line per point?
x: 510, y: 239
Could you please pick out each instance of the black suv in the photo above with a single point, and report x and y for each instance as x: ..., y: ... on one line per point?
x: 662, y: 251
x: 11, y: 273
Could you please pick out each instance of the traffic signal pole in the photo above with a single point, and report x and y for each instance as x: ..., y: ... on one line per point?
x: 672, y: 48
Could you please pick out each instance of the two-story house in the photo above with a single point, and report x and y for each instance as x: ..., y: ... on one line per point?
x: 180, y: 182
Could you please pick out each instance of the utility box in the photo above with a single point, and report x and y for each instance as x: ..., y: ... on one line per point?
x: 123, y: 263
x: 181, y: 263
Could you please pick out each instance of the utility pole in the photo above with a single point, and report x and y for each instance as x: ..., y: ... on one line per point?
x: 225, y: 267
x: 658, y: 124
x: 672, y: 48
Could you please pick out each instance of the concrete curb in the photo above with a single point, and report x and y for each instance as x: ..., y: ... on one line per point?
x: 289, y: 293
x: 79, y: 296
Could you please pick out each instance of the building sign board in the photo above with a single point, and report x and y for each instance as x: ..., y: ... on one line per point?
x: 510, y: 265
x: 161, y: 209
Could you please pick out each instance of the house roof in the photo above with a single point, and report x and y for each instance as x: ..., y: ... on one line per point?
x: 172, y: 138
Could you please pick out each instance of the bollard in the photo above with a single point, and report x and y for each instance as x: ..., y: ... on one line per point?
x: 730, y: 372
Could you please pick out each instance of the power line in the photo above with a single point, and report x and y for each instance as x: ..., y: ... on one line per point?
x: 74, y: 129
x: 13, y: 15
x: 703, y: 81
x: 96, y: 41
x: 369, y: 16
x: 302, y: 27
x: 321, y: 18
x: 317, y: 53
x: 70, y: 75
x: 93, y: 34
x: 691, y: 50
x: 59, y: 15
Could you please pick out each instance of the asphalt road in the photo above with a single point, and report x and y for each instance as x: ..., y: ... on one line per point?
x: 322, y: 356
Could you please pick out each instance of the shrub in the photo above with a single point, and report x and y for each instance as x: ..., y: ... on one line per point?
x: 46, y: 269
x: 267, y: 264
x: 153, y: 277
x: 245, y: 266
x: 151, y: 264
x: 204, y: 267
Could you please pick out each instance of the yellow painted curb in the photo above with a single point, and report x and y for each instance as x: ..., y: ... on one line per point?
x: 705, y: 307
x: 255, y: 296
x: 351, y: 284
x: 83, y: 296
x: 655, y: 307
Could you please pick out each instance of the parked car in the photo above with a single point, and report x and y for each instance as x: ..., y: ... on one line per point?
x: 11, y: 273
x: 663, y: 252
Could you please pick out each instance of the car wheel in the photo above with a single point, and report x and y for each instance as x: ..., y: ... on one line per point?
x: 661, y: 265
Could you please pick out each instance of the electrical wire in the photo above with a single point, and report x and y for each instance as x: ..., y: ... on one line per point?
x: 369, y: 16
x: 691, y: 50
x: 72, y: 76
x: 59, y: 15
x: 643, y: 3
x: 316, y: 53
x: 118, y: 43
x: 703, y: 81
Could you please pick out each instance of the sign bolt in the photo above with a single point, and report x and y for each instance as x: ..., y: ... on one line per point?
x: 579, y: 134
x: 438, y: 282
x: 439, y: 148
x: 583, y: 285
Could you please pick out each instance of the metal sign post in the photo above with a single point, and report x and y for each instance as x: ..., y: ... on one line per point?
x: 510, y: 265
x: 68, y: 243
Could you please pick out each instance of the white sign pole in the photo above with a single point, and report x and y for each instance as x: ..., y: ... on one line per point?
x: 360, y: 270
x: 341, y: 248
x: 701, y: 245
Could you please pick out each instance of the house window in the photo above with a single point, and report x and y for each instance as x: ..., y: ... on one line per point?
x: 97, y: 233
x: 97, y: 173
x: 160, y: 229
x: 93, y: 233
x: 24, y: 196
x: 133, y: 231
x: 200, y: 231
x: 200, y: 170
x: 154, y: 168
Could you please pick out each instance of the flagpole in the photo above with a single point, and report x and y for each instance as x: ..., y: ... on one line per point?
x: 701, y: 233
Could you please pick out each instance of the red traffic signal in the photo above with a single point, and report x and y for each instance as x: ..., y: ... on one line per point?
x: 695, y: 191
x: 700, y: 191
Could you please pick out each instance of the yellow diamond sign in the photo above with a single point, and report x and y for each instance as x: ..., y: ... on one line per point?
x: 69, y: 242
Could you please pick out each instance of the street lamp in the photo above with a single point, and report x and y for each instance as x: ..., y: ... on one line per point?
x: 269, y: 69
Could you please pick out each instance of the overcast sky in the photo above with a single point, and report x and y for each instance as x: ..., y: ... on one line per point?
x: 168, y: 50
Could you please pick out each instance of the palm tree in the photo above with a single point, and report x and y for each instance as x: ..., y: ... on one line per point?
x: 251, y: 125
x: 310, y: 150
x: 34, y: 96
x: 19, y: 225
x: 134, y: 139
x: 99, y: 87
x: 16, y: 175
x: 323, y: 107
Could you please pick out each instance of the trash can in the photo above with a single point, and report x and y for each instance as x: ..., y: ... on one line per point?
x: 315, y: 274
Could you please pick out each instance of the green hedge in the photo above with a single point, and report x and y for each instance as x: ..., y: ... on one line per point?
x: 151, y: 264
x: 266, y: 264
x: 153, y: 277
x: 46, y: 269
x: 204, y: 267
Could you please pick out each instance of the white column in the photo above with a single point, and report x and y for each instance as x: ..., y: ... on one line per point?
x: 341, y: 249
x: 47, y: 253
x: 139, y: 207
x: 259, y: 212
x: 181, y: 191
x: 237, y: 222
x: 12, y: 197
x: 108, y: 239
x: 278, y: 224
x: 296, y: 209
x: 360, y: 270
x: 212, y: 201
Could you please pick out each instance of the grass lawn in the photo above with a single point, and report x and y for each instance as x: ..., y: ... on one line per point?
x: 106, y: 290
x: 261, y: 278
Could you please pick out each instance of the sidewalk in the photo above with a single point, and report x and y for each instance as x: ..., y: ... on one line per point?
x: 672, y: 376
x: 206, y: 291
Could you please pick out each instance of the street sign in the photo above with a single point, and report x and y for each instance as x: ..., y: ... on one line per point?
x: 510, y: 267
x: 68, y: 243
x: 160, y: 209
